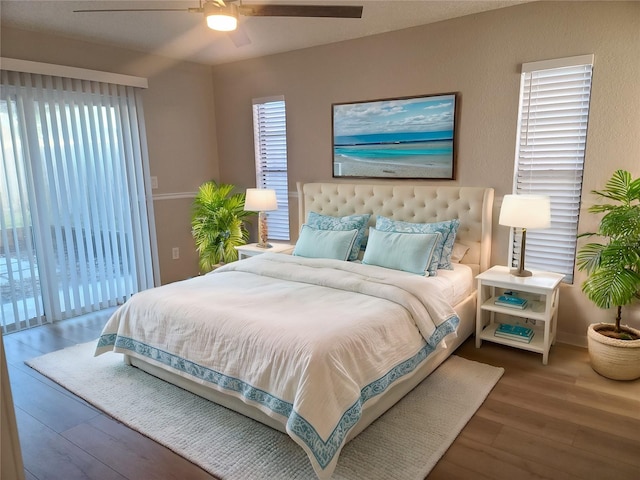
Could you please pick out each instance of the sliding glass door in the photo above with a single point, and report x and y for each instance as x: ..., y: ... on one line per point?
x: 75, y: 227
x: 20, y: 294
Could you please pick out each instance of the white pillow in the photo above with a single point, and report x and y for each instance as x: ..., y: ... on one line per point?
x: 458, y: 252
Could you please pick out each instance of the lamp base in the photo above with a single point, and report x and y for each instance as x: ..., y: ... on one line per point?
x: 520, y: 271
x: 516, y: 272
x: 263, y: 231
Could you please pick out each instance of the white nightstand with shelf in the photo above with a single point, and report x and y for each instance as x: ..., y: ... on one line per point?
x: 252, y: 249
x: 542, y: 293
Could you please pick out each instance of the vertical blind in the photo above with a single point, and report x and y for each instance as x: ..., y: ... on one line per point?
x: 270, y: 141
x: 550, y: 149
x: 76, y: 221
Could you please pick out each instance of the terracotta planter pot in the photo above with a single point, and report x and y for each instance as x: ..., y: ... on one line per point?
x: 613, y: 358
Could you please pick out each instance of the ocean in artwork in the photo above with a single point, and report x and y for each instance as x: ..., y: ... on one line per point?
x: 401, y: 155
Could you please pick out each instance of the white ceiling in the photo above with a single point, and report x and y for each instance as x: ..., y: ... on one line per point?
x: 184, y: 35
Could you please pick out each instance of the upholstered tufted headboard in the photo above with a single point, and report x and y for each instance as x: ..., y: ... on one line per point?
x: 410, y: 203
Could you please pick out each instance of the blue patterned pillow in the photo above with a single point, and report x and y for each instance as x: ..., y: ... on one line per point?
x: 447, y: 229
x: 349, y: 222
x: 409, y: 252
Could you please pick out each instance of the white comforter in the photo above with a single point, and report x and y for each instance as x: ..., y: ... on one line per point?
x: 307, y: 341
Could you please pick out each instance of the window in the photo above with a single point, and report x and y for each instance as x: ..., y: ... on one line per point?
x: 552, y: 131
x: 270, y: 141
x: 76, y: 226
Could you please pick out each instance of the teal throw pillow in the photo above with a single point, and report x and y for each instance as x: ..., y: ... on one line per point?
x: 409, y: 252
x: 314, y: 243
x: 448, y: 230
x: 348, y: 222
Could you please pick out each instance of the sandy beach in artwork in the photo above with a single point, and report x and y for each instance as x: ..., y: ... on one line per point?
x: 395, y: 138
x: 428, y: 166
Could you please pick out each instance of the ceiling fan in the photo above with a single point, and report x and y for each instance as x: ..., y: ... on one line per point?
x: 222, y: 15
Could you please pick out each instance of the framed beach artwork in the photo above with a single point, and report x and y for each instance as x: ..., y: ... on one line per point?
x: 411, y: 137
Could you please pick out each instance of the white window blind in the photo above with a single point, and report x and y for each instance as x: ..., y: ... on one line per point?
x: 76, y: 222
x: 270, y: 140
x: 550, y: 148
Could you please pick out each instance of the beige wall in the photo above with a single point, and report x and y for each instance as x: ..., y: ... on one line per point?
x: 478, y: 56
x: 180, y: 126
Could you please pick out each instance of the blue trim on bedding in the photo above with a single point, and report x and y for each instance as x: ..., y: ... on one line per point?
x: 323, y: 451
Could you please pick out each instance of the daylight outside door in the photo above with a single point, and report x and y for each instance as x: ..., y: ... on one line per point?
x: 74, y: 212
x: 20, y: 294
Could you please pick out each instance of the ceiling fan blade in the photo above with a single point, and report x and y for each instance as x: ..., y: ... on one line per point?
x: 239, y: 37
x: 334, y: 11
x: 136, y: 10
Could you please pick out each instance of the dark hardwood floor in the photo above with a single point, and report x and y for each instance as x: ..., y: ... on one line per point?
x: 560, y: 421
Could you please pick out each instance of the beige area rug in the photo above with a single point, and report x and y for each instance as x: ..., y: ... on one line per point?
x: 403, y: 444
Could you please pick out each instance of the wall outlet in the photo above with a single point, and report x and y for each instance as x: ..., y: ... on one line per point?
x: 175, y: 253
x: 154, y: 182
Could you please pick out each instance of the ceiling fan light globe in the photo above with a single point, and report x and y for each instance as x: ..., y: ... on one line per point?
x: 223, y: 18
x: 222, y: 23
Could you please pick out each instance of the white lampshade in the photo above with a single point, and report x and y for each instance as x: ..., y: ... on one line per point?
x: 223, y: 19
x: 260, y: 200
x: 526, y: 211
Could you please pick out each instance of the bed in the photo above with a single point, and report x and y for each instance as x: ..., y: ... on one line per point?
x: 319, y: 348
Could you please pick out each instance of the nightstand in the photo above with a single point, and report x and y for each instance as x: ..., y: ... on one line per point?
x: 252, y: 249
x: 540, y: 314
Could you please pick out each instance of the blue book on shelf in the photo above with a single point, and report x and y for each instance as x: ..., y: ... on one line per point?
x: 514, y: 330
x: 511, y: 301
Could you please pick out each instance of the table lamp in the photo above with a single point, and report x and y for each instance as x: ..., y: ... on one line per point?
x: 261, y: 200
x: 525, y: 211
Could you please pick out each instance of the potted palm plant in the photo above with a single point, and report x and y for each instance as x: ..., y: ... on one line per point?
x: 217, y: 224
x: 613, y: 269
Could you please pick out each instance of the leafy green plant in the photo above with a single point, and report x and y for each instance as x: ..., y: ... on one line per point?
x: 613, y: 267
x: 217, y: 224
